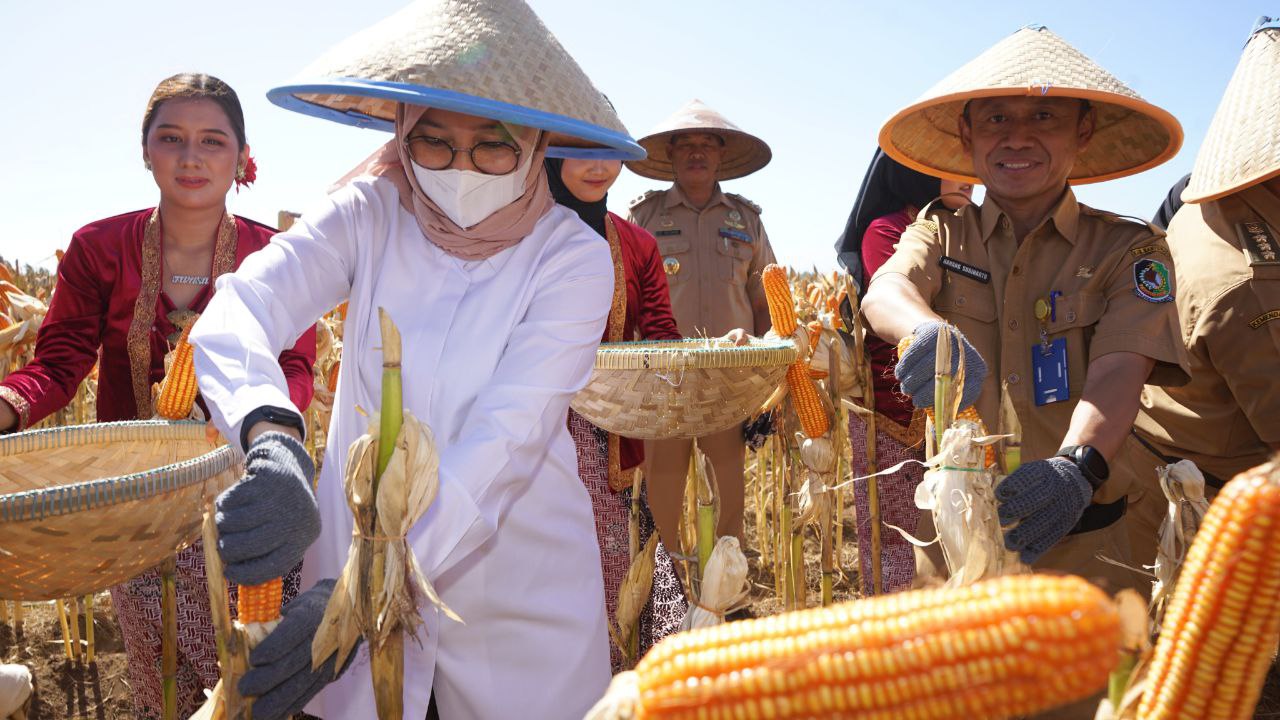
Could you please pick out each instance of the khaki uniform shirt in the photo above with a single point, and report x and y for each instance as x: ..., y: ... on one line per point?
x: 973, y: 273
x: 713, y: 257
x: 1227, y: 255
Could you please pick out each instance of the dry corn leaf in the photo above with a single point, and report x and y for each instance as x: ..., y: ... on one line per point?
x: 1183, y: 486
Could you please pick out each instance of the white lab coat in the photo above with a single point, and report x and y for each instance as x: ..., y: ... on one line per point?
x: 493, y: 351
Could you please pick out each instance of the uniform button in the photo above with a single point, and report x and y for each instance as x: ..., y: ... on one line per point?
x: 960, y: 301
x: 1071, y: 316
x: 1004, y: 222
x: 1017, y: 269
x: 1013, y: 324
x: 1013, y: 378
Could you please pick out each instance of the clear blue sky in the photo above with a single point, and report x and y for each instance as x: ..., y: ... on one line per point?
x: 814, y: 79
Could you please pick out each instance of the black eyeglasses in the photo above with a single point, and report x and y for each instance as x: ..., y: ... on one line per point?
x: 490, y: 158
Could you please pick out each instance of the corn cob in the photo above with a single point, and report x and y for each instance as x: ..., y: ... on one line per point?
x: 1219, y: 634
x: 178, y: 390
x: 782, y: 312
x: 782, y: 307
x: 260, y: 603
x: 1009, y: 646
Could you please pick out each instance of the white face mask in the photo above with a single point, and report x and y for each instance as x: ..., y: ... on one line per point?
x: 467, y: 196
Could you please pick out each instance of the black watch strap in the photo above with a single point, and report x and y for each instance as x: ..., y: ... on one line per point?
x: 271, y: 414
x: 1092, y: 465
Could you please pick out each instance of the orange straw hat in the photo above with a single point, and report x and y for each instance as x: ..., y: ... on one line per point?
x: 744, y: 153
x: 1131, y: 134
x: 1242, y: 147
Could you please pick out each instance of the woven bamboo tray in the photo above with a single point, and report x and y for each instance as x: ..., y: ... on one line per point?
x: 86, y: 507
x: 681, y: 388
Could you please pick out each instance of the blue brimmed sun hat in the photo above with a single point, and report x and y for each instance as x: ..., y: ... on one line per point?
x: 491, y: 58
x: 1130, y: 135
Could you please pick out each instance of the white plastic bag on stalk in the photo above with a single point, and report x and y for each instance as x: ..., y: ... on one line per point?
x: 724, y: 585
x: 960, y: 493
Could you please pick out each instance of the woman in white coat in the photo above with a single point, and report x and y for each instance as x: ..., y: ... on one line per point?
x: 501, y: 297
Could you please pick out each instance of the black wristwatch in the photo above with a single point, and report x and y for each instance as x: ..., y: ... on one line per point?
x: 271, y: 414
x: 1091, y: 463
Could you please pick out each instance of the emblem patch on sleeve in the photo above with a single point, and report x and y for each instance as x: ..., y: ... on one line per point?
x: 1151, y: 281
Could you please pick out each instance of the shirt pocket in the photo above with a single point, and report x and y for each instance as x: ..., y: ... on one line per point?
x: 677, y: 261
x: 1074, y: 320
x: 733, y: 259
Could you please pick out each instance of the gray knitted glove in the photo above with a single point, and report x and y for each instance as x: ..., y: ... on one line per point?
x: 280, y: 675
x: 1046, y: 498
x: 267, y: 521
x: 915, y: 366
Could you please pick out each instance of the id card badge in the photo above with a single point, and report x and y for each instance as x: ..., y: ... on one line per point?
x: 1049, y: 372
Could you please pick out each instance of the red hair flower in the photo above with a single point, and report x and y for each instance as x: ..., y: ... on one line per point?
x: 247, y: 174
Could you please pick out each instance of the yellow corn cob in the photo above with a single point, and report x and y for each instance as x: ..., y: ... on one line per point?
x: 782, y: 307
x: 260, y: 603
x: 1009, y: 646
x: 1222, y: 627
x: 804, y: 395
x: 178, y: 390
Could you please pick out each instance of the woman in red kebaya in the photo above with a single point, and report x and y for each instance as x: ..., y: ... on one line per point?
x: 606, y: 462
x: 125, y: 285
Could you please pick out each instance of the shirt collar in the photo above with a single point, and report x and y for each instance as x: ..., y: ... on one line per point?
x: 675, y: 196
x: 1065, y: 217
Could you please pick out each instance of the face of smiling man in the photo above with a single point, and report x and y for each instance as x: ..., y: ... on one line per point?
x: 1023, y: 147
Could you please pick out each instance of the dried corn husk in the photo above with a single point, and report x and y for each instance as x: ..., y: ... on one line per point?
x: 724, y: 585
x: 405, y: 491
x: 960, y: 493
x: 812, y: 498
x: 634, y: 593
x: 818, y: 454
x: 821, y: 361
x: 15, y: 691
x: 1183, y: 486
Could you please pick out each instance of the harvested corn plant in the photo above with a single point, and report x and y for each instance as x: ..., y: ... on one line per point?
x: 1004, y: 647
x: 259, y: 613
x: 1183, y: 486
x: 959, y: 492
x: 724, y: 585
x: 391, y: 479
x: 1220, y: 632
x: 632, y: 596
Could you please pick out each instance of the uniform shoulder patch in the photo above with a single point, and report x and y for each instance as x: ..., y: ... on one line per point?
x: 1151, y: 281
x: 1264, y: 318
x: 746, y: 202
x: 1259, y: 241
x: 1145, y: 250
x: 929, y: 226
x: 647, y: 196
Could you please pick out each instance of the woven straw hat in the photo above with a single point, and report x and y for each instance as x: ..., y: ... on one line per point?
x: 1131, y: 135
x: 492, y: 58
x: 744, y: 153
x: 1242, y: 147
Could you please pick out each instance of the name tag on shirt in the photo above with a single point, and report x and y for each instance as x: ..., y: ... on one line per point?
x: 735, y: 235
x: 666, y: 233
x: 1049, y: 372
x: 965, y: 269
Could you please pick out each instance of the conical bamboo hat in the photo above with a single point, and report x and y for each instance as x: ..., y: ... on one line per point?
x: 492, y: 58
x: 1242, y: 147
x: 1131, y: 135
x: 744, y: 153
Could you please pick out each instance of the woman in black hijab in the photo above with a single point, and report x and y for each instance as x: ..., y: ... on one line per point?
x: 891, y: 196
x: 641, y: 311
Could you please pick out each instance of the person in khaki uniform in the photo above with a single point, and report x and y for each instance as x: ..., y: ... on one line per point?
x: 1226, y: 251
x: 713, y: 248
x: 1068, y: 308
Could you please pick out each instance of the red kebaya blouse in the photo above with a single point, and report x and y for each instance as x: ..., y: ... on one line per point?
x: 108, y: 306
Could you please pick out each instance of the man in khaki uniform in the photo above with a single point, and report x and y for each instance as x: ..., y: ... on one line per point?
x: 713, y: 248
x: 1226, y: 250
x: 1070, y: 308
